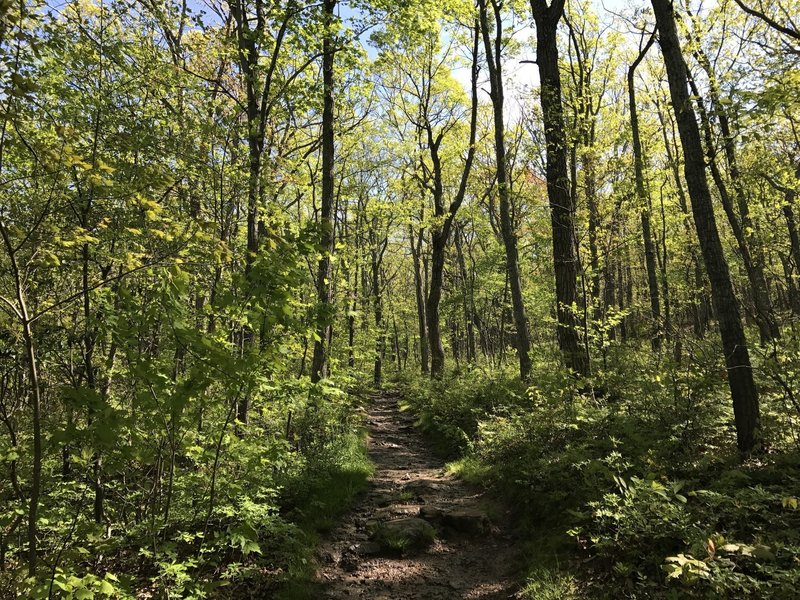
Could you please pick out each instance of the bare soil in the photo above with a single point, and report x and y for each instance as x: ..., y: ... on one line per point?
x: 471, y: 555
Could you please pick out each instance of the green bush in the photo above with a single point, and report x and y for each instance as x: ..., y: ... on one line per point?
x: 450, y: 411
x: 650, y: 538
x: 627, y: 484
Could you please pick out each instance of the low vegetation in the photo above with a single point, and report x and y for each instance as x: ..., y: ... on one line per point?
x: 637, y: 490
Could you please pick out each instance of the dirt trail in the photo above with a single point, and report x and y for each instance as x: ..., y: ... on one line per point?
x: 470, y: 556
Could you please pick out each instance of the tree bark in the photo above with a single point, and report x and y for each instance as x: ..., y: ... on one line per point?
x: 468, y: 302
x: 644, y: 200
x: 737, y: 360
x: 21, y: 311
x: 378, y: 247
x: 562, y: 207
x: 319, y: 361
x: 419, y: 293
x: 440, y: 234
x: 493, y: 49
x: 764, y: 317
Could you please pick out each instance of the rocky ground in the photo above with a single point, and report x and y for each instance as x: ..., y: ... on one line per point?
x: 418, y: 533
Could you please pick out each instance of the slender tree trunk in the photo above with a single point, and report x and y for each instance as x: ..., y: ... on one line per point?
x: 419, y: 293
x: 35, y: 400
x: 440, y: 234
x: 754, y: 263
x: 36, y: 411
x: 764, y: 317
x: 645, y: 203
x: 794, y: 239
x: 740, y: 375
x: 380, y: 339
x: 590, y: 186
x: 494, y: 60
x: 248, y: 63
x: 438, y: 242
x: 319, y: 361
x: 397, y: 351
x: 698, y: 307
x: 351, y: 322
x: 468, y: 302
x: 663, y: 269
x: 89, y: 339
x: 791, y: 225
x: 793, y: 296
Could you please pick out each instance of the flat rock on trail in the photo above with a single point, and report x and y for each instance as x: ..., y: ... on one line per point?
x: 469, y: 557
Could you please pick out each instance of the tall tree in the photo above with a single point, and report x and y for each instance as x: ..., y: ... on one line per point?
x: 741, y: 223
x: 644, y: 199
x: 493, y: 48
x: 319, y: 362
x: 726, y: 307
x: 562, y: 208
x: 443, y: 225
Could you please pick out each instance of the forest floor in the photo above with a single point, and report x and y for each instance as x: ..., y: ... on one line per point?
x: 465, y: 553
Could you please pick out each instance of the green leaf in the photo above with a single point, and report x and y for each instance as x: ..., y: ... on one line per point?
x: 84, y: 594
x: 106, y: 588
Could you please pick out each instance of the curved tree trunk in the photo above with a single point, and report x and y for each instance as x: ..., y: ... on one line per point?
x: 441, y: 233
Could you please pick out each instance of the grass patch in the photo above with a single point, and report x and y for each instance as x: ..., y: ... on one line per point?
x: 469, y: 469
x: 550, y: 584
x: 328, y: 491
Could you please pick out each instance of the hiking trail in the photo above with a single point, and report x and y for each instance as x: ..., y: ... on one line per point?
x: 417, y: 533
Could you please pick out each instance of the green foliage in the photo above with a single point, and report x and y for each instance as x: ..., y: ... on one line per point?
x: 550, y: 584
x: 450, y: 410
x: 159, y: 229
x: 632, y: 474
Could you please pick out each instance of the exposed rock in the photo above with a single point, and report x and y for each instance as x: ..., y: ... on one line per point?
x: 421, y: 487
x: 367, y: 548
x: 396, y: 510
x: 383, y: 500
x: 430, y: 513
x: 466, y: 520
x: 350, y: 560
x: 330, y: 557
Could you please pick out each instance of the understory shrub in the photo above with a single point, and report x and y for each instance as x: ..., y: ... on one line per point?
x: 629, y: 478
x: 243, y: 511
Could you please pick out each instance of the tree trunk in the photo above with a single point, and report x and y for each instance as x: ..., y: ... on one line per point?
x: 29, y: 340
x: 468, y: 301
x: 765, y: 316
x: 644, y: 200
x: 419, y: 293
x: 494, y: 61
x: 248, y: 63
x: 740, y: 375
x: 319, y: 361
x: 438, y: 243
x: 562, y: 207
x: 441, y: 233
x: 380, y: 339
x: 767, y: 326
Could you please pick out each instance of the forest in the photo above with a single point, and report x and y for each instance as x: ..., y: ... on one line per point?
x: 265, y: 264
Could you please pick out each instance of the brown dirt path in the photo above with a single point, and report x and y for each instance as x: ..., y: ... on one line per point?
x: 470, y: 557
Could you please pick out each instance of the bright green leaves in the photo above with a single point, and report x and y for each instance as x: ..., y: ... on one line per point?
x: 88, y: 587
